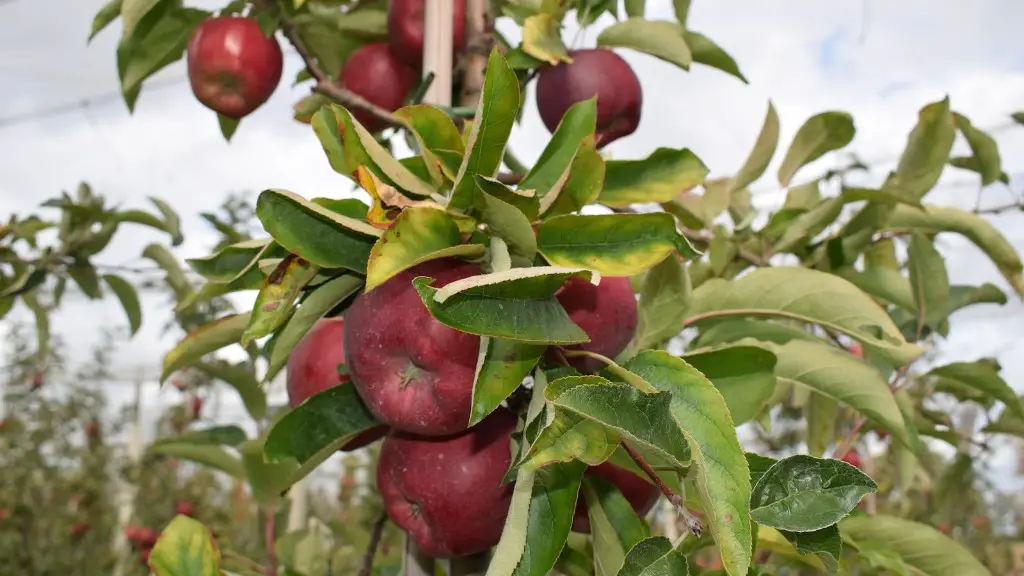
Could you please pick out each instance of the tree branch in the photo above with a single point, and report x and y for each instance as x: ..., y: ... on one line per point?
x: 477, y: 47
x: 692, y: 523
x: 371, y: 548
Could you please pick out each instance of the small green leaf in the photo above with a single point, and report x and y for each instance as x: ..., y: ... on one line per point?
x: 615, y: 526
x: 804, y: 295
x: 924, y: 548
x: 810, y: 224
x: 927, y: 150
x: 658, y: 178
x: 682, y: 9
x: 435, y: 135
x: 635, y: 8
x: 110, y: 12
x: 984, y: 147
x: 972, y: 164
x: 822, y: 413
x: 325, y: 125
x: 129, y: 299
x: 658, y: 38
x: 319, y: 302
x: 542, y: 39
x: 275, y: 302
x: 228, y: 126
x: 882, y: 282
x: 1007, y: 423
x: 209, y: 455
x: 185, y: 548
x: 983, y: 377
x: 268, y: 480
x: 319, y: 426
x: 501, y: 369
x: 803, y: 494
x: 84, y: 275
x: 579, y: 121
x: 570, y: 436
x: 176, y: 278
x: 744, y: 375
x: 517, y: 305
x: 929, y: 280
x: 583, y: 183
x: 654, y: 557
x: 419, y: 234
x: 758, y: 159
x: 663, y: 295
x: 223, y: 435
x: 722, y: 475
x: 230, y: 262
x: 241, y: 378
x: 132, y: 11
x: 819, y: 135
x: 495, y: 115
x: 321, y: 236
x: 758, y: 465
x: 507, y: 222
x: 708, y: 53
x: 209, y: 337
x: 612, y: 244
x: 525, y: 200
x: 826, y: 544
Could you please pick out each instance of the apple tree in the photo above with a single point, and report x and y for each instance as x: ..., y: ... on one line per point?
x: 550, y: 350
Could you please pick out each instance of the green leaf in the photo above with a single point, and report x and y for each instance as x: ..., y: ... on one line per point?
x: 822, y: 413
x: 501, y: 369
x: 708, y: 53
x: 660, y: 39
x: 325, y: 125
x: 434, y: 132
x: 507, y: 222
x: 525, y: 200
x: 275, y: 302
x: 132, y: 12
x: 228, y: 126
x: 640, y: 418
x: 495, y: 115
x: 984, y: 148
x: 209, y: 337
x: 928, y: 280
x: 317, y: 234
x: 579, y: 121
x: 819, y: 135
x: 928, y: 148
x: 882, y: 282
x: 844, y: 377
x: 758, y: 465
x: 268, y: 480
x: 158, y: 39
x: 542, y: 39
x: 319, y: 302
x: 319, y: 426
x: 924, y: 548
x: 209, y: 455
x: 223, y: 435
x: 185, y: 548
x: 582, y: 186
x: 129, y: 299
x: 654, y: 557
x: 744, y: 375
x: 722, y: 476
x: 764, y: 149
x: 1007, y: 423
x: 230, y: 262
x: 635, y: 8
x: 518, y: 305
x: 663, y: 295
x: 239, y: 377
x: 176, y: 278
x: 803, y: 494
x: 972, y: 164
x: 826, y: 544
x: 84, y: 275
x: 983, y: 377
x: 110, y: 12
x: 809, y: 224
x: 612, y: 244
x: 975, y: 228
x: 804, y: 295
x: 570, y: 436
x: 615, y: 526
x: 658, y: 178
x: 419, y: 234
x: 682, y: 9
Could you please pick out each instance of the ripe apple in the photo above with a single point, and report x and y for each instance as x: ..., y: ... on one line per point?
x: 414, y: 373
x: 593, y: 71
x: 4, y: 514
x: 92, y: 429
x: 197, y: 406
x: 945, y: 528
x: 405, y: 29
x: 313, y: 368
x: 641, y: 494
x: 79, y: 528
x: 852, y: 458
x: 606, y: 312
x: 374, y: 73
x: 446, y: 491
x: 184, y: 508
x: 232, y: 67
x: 37, y: 380
x: 857, y: 350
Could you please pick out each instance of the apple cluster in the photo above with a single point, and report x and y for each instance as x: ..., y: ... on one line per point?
x: 441, y: 480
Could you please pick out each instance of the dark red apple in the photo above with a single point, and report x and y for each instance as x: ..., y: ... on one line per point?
x: 313, y: 368
x: 374, y: 73
x: 593, y: 71
x: 197, y: 406
x: 405, y: 29
x: 4, y: 514
x: 414, y: 373
x: 184, y: 508
x: 446, y: 491
x: 641, y: 494
x: 79, y: 528
x: 852, y: 458
x: 606, y: 312
x: 232, y: 67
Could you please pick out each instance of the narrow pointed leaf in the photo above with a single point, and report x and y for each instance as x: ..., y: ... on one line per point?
x: 208, y: 455
x: 231, y: 261
x: 502, y: 367
x: 983, y: 377
x: 578, y: 122
x: 658, y: 38
x: 706, y: 52
x: 764, y: 148
x: 275, y: 302
x: 129, y: 299
x: 984, y: 147
x: 662, y: 308
x: 924, y: 548
x: 658, y: 178
x: 615, y: 526
x: 320, y: 425
x: 583, y: 183
x: 208, y: 338
x: 929, y: 280
x: 242, y: 380
x: 819, y: 135
x: 927, y: 150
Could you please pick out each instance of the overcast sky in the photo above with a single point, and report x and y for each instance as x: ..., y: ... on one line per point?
x: 880, y: 61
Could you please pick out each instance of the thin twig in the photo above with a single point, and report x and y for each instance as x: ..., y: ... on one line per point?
x: 692, y: 523
x: 1000, y: 209
x: 371, y: 549
x: 268, y: 535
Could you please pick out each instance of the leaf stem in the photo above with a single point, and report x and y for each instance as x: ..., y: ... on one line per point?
x: 691, y: 521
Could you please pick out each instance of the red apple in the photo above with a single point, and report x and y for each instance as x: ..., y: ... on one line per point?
x: 37, y: 380
x: 374, y: 73
x: 446, y: 492
x: 4, y: 514
x: 979, y: 522
x: 945, y: 528
x: 197, y: 406
x: 79, y: 528
x: 414, y: 373
x: 606, y: 312
x: 641, y: 494
x: 184, y: 508
x: 313, y: 368
x: 593, y: 71
x: 852, y: 458
x: 857, y: 350
x: 405, y: 29
x: 232, y: 67
x: 92, y: 429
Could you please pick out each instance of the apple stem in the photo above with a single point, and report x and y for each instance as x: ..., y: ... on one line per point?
x: 692, y: 522
x: 371, y: 549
